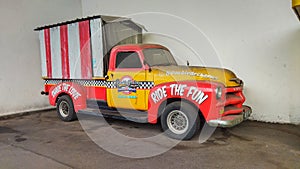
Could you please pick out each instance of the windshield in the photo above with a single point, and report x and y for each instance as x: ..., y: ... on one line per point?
x: 158, y: 57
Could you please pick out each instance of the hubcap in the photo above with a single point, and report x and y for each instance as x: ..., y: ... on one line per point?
x: 177, y: 122
x: 64, y: 108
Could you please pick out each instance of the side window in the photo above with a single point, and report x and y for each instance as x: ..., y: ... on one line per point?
x: 128, y: 60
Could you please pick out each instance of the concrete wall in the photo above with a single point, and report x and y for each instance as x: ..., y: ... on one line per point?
x: 20, y: 75
x: 256, y: 39
x: 259, y: 40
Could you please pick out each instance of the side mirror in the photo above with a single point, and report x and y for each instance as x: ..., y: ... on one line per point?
x: 187, y: 63
x: 147, y: 64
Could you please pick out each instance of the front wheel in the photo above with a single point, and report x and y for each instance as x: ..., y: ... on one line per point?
x: 65, y: 109
x: 180, y: 120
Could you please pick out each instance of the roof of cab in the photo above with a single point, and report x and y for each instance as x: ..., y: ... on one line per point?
x: 138, y: 46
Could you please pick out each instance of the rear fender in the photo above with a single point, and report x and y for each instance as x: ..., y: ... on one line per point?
x: 76, y: 92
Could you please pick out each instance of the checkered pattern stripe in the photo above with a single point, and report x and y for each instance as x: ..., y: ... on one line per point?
x: 111, y: 84
x: 145, y: 85
x: 52, y: 82
x: 81, y: 82
x: 91, y: 83
x: 108, y: 84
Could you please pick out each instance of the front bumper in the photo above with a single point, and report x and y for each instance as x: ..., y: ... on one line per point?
x: 231, y: 120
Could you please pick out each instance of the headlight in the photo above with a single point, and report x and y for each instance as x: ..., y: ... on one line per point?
x: 218, y: 92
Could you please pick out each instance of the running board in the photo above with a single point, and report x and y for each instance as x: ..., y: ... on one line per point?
x: 123, y: 114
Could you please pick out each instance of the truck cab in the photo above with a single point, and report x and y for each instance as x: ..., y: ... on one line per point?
x: 130, y: 67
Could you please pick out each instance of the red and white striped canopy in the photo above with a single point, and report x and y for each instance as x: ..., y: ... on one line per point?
x: 72, y: 50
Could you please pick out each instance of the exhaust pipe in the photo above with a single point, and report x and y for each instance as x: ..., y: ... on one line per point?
x: 44, y: 93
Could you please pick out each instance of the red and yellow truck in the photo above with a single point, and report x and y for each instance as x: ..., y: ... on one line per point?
x: 99, y: 63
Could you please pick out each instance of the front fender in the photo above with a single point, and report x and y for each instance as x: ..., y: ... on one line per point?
x: 199, y: 93
x: 76, y: 92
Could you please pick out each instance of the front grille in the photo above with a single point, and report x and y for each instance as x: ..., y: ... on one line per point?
x: 234, y: 101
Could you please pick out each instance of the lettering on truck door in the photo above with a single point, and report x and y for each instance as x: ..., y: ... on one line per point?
x: 128, y: 77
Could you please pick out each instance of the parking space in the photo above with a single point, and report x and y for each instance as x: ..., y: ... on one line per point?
x: 41, y: 140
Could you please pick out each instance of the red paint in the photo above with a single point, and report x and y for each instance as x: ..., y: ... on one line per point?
x: 64, y: 52
x: 232, y: 110
x: 48, y: 52
x: 234, y: 101
x: 47, y: 87
x: 234, y: 89
x: 133, y: 48
x: 209, y: 108
x: 96, y: 92
x: 85, y: 50
x: 113, y: 59
x: 57, y: 90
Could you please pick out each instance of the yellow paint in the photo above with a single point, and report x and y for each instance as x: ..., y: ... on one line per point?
x: 182, y: 73
x: 139, y: 99
x: 296, y: 7
x: 98, y: 78
x: 133, y: 100
x: 221, y: 111
x: 295, y: 3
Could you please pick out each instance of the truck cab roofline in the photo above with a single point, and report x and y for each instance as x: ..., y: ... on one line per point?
x: 139, y: 46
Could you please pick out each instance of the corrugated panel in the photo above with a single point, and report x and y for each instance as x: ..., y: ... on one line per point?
x: 64, y: 52
x: 97, y: 48
x: 85, y: 50
x: 48, y: 52
x: 67, y: 22
x: 43, y: 53
x: 74, y: 51
x: 55, y: 52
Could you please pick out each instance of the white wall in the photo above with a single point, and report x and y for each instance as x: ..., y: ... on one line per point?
x: 257, y: 39
x: 20, y: 75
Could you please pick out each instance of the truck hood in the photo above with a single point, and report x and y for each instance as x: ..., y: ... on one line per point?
x: 163, y: 74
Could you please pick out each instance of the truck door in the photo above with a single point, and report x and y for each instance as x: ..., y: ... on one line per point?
x: 126, y: 77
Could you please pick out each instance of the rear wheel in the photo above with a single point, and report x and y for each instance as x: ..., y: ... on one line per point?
x: 65, y: 109
x: 180, y: 120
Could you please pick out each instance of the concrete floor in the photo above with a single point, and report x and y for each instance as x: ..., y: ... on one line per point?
x: 41, y: 140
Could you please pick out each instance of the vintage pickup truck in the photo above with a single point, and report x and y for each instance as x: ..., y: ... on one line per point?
x: 99, y: 63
